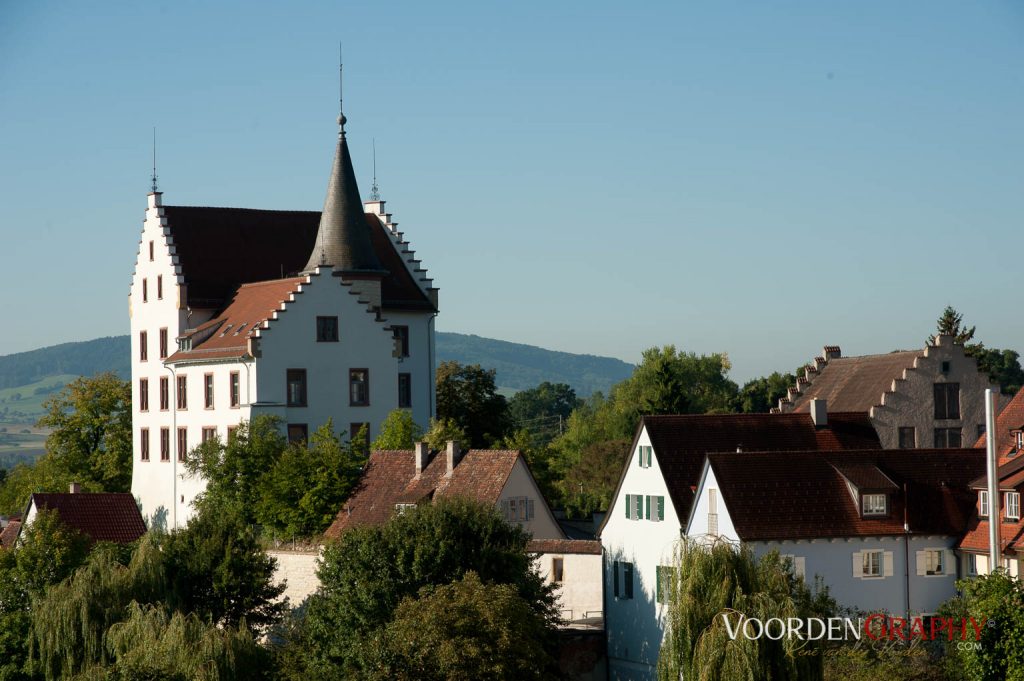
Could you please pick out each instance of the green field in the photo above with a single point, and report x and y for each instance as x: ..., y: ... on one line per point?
x: 24, y: 404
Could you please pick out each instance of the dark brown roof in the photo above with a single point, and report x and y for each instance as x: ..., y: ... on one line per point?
x: 10, y: 533
x: 572, y: 546
x: 681, y: 442
x: 103, y: 516
x: 221, y: 248
x: 1006, y: 472
x: 1010, y: 419
x: 801, y: 495
x: 855, y: 383
x: 390, y: 478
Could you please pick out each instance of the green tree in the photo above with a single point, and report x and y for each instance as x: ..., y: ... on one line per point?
x: 398, y: 431
x: 1002, y: 366
x: 369, y: 570
x: 304, y: 488
x: 589, y: 484
x: 91, y: 420
x: 707, y: 585
x: 996, y: 601
x: 543, y: 410
x: 759, y: 395
x: 443, y: 431
x: 468, y: 395
x: 465, y: 630
x: 951, y: 323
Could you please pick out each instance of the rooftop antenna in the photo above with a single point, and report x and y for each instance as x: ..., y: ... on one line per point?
x: 374, y: 189
x: 154, y: 160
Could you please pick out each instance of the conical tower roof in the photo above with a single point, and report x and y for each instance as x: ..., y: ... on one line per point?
x: 343, y: 240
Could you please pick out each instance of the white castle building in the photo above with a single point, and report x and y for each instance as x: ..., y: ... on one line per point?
x: 304, y: 315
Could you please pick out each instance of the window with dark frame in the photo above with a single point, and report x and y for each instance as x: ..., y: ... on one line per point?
x: 145, y: 291
x: 208, y: 391
x: 160, y: 287
x: 401, y: 334
x: 983, y: 503
x: 907, y: 437
x: 327, y: 329
x: 182, y: 443
x: 163, y: 343
x: 404, y: 391
x: 234, y: 392
x: 165, y: 394
x: 144, y: 444
x: 165, y: 444
x: 947, y: 400
x: 182, y: 392
x: 358, y: 387
x: 947, y: 438
x: 980, y: 431
x: 209, y: 432
x: 143, y: 346
x: 874, y: 504
x: 557, y: 569
x: 298, y: 433
x: 296, y: 387
x: 151, y: 250
x: 143, y: 394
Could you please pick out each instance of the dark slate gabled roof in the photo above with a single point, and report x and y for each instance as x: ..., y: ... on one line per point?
x: 681, y: 442
x: 802, y: 495
x: 856, y: 383
x: 343, y: 240
x: 102, y: 516
x: 221, y: 248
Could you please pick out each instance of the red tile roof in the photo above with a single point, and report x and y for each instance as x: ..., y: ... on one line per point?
x: 390, y: 478
x: 1010, y: 419
x: 802, y: 495
x: 103, y: 516
x: 222, y: 248
x: 1011, y: 477
x: 855, y: 383
x: 681, y: 442
x: 10, y: 533
x: 570, y: 546
x: 251, y: 305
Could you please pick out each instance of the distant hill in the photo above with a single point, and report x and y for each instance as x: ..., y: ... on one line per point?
x: 518, y: 366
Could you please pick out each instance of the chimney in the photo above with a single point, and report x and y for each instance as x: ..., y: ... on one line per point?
x: 453, y: 454
x: 75, y: 488
x: 830, y: 352
x: 421, y: 453
x: 819, y: 412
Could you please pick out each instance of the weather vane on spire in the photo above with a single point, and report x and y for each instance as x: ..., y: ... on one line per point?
x: 374, y: 189
x: 154, y: 161
x: 341, y: 92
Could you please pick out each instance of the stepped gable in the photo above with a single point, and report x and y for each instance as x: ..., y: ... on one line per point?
x: 681, y: 442
x: 102, y: 516
x: 806, y: 495
x: 1009, y: 422
x: 390, y: 478
x: 218, y: 249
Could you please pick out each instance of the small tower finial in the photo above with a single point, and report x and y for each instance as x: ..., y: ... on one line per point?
x: 341, y: 92
x: 374, y: 189
x: 154, y: 161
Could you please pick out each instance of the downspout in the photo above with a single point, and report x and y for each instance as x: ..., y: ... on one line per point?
x: 906, y: 543
x: 174, y: 433
x: 994, y: 506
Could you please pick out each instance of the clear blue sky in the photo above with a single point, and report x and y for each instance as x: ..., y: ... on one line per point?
x: 757, y: 178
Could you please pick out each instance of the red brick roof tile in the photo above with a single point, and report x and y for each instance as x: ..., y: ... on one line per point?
x: 10, y: 533
x: 802, y: 495
x: 390, y: 478
x: 681, y: 442
x: 570, y: 546
x: 1010, y: 419
x: 856, y: 383
x: 103, y: 516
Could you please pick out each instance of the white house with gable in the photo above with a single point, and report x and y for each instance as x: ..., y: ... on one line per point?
x: 304, y: 315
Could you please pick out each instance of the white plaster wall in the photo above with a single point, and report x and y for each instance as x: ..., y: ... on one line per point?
x: 520, y: 484
x: 579, y: 593
x: 420, y: 363
x: 298, y: 569
x: 699, y: 525
x: 634, y: 626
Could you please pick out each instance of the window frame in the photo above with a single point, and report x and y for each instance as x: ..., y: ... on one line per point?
x: 208, y: 393
x: 984, y: 510
x: 181, y: 392
x: 143, y: 394
x: 207, y: 433
x: 943, y: 412
x: 165, y: 445
x: 298, y: 378
x: 906, y: 430
x: 405, y: 391
x: 302, y: 428
x: 873, y: 511
x: 145, y: 290
x: 143, y: 346
x: 934, y: 568
x: 159, y: 287
x: 1015, y: 497
x: 235, y: 389
x: 325, y: 337
x: 165, y: 393
x: 942, y: 435
x: 400, y: 333
x: 163, y: 343
x: 557, y: 569
x: 144, y: 444
x: 866, y: 564
x: 352, y: 383
x: 181, y: 444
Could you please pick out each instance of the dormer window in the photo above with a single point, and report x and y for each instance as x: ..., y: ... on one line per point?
x: 1018, y: 439
x: 983, y: 503
x: 1013, y: 505
x: 874, y: 504
x: 402, y: 508
x: 185, y: 344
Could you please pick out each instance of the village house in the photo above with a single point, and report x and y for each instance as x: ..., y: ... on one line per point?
x: 303, y: 315
x: 933, y: 397
x: 975, y: 544
x: 894, y: 518
x: 101, y: 516
x: 651, y: 506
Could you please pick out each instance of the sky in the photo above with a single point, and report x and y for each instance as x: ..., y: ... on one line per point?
x: 761, y: 179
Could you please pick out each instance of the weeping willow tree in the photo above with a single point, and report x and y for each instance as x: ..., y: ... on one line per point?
x: 709, y: 582
x: 70, y: 620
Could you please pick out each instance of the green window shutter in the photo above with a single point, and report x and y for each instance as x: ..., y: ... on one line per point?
x: 615, y: 572
x: 641, y: 457
x: 661, y: 508
x: 629, y: 501
x: 648, y: 500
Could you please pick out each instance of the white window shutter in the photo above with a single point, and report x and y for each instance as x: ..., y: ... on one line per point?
x: 922, y: 563
x: 529, y: 514
x: 948, y: 563
x: 858, y: 565
x: 887, y: 561
x: 800, y: 566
